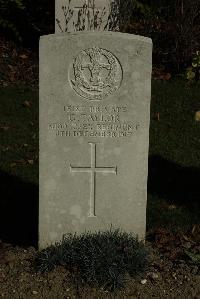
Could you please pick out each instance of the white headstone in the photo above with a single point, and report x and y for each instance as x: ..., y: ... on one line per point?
x: 94, y: 133
x: 81, y: 15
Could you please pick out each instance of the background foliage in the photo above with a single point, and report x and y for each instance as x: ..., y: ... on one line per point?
x: 25, y: 20
x: 174, y: 25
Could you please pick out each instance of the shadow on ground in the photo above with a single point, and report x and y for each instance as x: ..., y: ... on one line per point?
x: 18, y: 211
x: 176, y: 184
x: 19, y: 199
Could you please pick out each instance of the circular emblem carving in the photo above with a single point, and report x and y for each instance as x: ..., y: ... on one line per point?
x: 95, y: 74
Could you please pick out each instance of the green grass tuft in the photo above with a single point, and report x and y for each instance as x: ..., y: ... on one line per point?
x: 102, y: 259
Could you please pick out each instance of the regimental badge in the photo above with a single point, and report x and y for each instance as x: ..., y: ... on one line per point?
x: 95, y: 74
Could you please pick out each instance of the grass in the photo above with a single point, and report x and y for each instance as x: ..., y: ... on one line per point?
x: 175, y: 218
x: 101, y: 259
x: 19, y: 132
x: 176, y: 136
x: 174, y: 154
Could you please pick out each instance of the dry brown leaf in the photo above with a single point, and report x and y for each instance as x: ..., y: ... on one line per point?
x: 23, y: 56
x: 5, y: 128
x: 27, y: 104
x: 11, y: 67
x: 21, y: 161
x: 5, y: 149
x: 12, y: 76
x: 166, y: 77
x: 31, y: 162
x: 158, y: 116
x: 185, y: 238
x: 172, y: 207
x: 14, y: 53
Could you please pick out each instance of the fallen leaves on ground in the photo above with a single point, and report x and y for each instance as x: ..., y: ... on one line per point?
x: 17, y: 64
x: 177, y: 245
x: 22, y: 162
x: 27, y: 104
x: 5, y: 128
x: 195, y: 258
x: 160, y: 74
x: 24, y: 56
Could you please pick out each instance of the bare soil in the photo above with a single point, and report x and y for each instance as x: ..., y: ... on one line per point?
x: 164, y: 279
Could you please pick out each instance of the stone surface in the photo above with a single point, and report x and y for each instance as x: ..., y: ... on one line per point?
x: 94, y: 133
x: 67, y: 15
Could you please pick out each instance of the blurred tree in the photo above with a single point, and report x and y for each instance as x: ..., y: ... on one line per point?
x: 10, y: 10
x: 26, y: 20
x: 173, y: 25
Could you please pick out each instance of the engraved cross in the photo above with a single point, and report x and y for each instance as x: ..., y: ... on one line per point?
x: 93, y: 169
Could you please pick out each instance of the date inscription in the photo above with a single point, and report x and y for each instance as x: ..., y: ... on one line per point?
x: 95, y: 121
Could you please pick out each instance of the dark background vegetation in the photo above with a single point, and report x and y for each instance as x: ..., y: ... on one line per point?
x: 174, y: 26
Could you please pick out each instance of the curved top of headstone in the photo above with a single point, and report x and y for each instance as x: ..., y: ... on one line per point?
x: 102, y: 33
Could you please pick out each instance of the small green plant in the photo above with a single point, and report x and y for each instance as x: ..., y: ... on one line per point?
x: 193, y: 72
x: 101, y: 259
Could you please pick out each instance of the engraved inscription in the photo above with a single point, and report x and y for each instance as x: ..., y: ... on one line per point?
x: 95, y: 121
x: 93, y: 169
x: 95, y: 74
